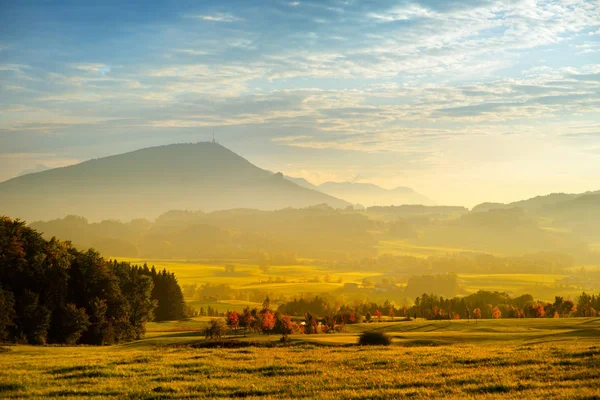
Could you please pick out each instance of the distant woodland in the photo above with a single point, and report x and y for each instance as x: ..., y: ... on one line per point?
x: 321, y: 232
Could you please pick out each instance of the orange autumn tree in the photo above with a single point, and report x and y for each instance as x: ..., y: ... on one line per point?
x: 233, y: 320
x: 378, y: 315
x: 496, y: 313
x: 267, y: 322
x: 540, y: 312
x: 477, y: 314
x: 284, y: 324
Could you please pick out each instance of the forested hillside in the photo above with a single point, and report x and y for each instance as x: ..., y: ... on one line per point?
x: 314, y: 232
x: 319, y: 232
x: 576, y: 213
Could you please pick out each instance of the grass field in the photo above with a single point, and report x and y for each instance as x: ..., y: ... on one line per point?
x: 541, y: 286
x: 310, y: 279
x: 296, y: 279
x: 538, y: 358
x: 405, y: 248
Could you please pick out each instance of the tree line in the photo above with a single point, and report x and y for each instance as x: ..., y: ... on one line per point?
x: 480, y: 305
x: 52, y: 293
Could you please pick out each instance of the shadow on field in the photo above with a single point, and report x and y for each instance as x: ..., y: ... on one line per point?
x: 183, y: 334
x: 563, y: 336
x: 83, y: 372
x: 10, y: 387
x: 81, y: 393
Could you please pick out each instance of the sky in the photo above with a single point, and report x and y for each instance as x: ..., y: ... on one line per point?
x: 463, y: 101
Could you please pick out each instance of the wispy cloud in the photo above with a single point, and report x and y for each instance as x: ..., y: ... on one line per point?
x: 345, y: 76
x: 218, y: 17
x: 193, y: 52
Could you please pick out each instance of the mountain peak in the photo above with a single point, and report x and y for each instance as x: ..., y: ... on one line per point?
x: 147, y: 182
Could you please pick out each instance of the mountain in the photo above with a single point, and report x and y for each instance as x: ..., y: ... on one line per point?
x: 302, y: 182
x: 369, y: 194
x: 151, y: 181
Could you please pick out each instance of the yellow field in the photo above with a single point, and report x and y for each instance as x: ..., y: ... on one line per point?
x: 542, y: 287
x: 404, y: 248
x: 311, y: 279
x: 525, y: 359
x: 297, y: 279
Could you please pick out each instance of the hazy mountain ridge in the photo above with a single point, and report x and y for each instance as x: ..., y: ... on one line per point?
x: 534, y: 203
x: 367, y: 194
x: 151, y: 181
x: 546, y: 203
x: 578, y: 213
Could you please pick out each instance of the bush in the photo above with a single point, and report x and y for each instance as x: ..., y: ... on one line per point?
x: 374, y: 338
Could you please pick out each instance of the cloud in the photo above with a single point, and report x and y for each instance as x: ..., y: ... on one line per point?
x: 96, y: 68
x: 588, y: 48
x: 193, y: 52
x: 219, y: 17
x: 375, y: 78
x: 405, y: 13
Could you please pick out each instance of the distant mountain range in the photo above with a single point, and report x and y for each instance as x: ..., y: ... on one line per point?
x: 367, y: 194
x: 151, y: 181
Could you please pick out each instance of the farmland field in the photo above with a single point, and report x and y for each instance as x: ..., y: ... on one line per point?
x: 541, y: 286
x: 303, y: 279
x: 405, y: 248
x: 292, y: 278
x: 537, y: 358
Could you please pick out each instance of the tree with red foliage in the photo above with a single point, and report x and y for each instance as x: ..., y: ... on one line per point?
x: 496, y: 313
x: 233, y: 320
x: 246, y: 320
x: 476, y: 314
x: 540, y: 311
x: 378, y: 315
x: 284, y: 324
x: 267, y: 322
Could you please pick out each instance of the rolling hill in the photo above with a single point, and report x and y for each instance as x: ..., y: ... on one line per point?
x: 577, y: 213
x: 148, y: 182
x: 369, y: 194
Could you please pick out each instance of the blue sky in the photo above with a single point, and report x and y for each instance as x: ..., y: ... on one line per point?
x: 465, y: 101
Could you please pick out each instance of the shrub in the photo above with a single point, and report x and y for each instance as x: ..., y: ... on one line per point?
x: 374, y: 338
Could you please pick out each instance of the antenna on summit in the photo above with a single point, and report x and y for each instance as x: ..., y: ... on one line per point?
x: 214, y: 141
